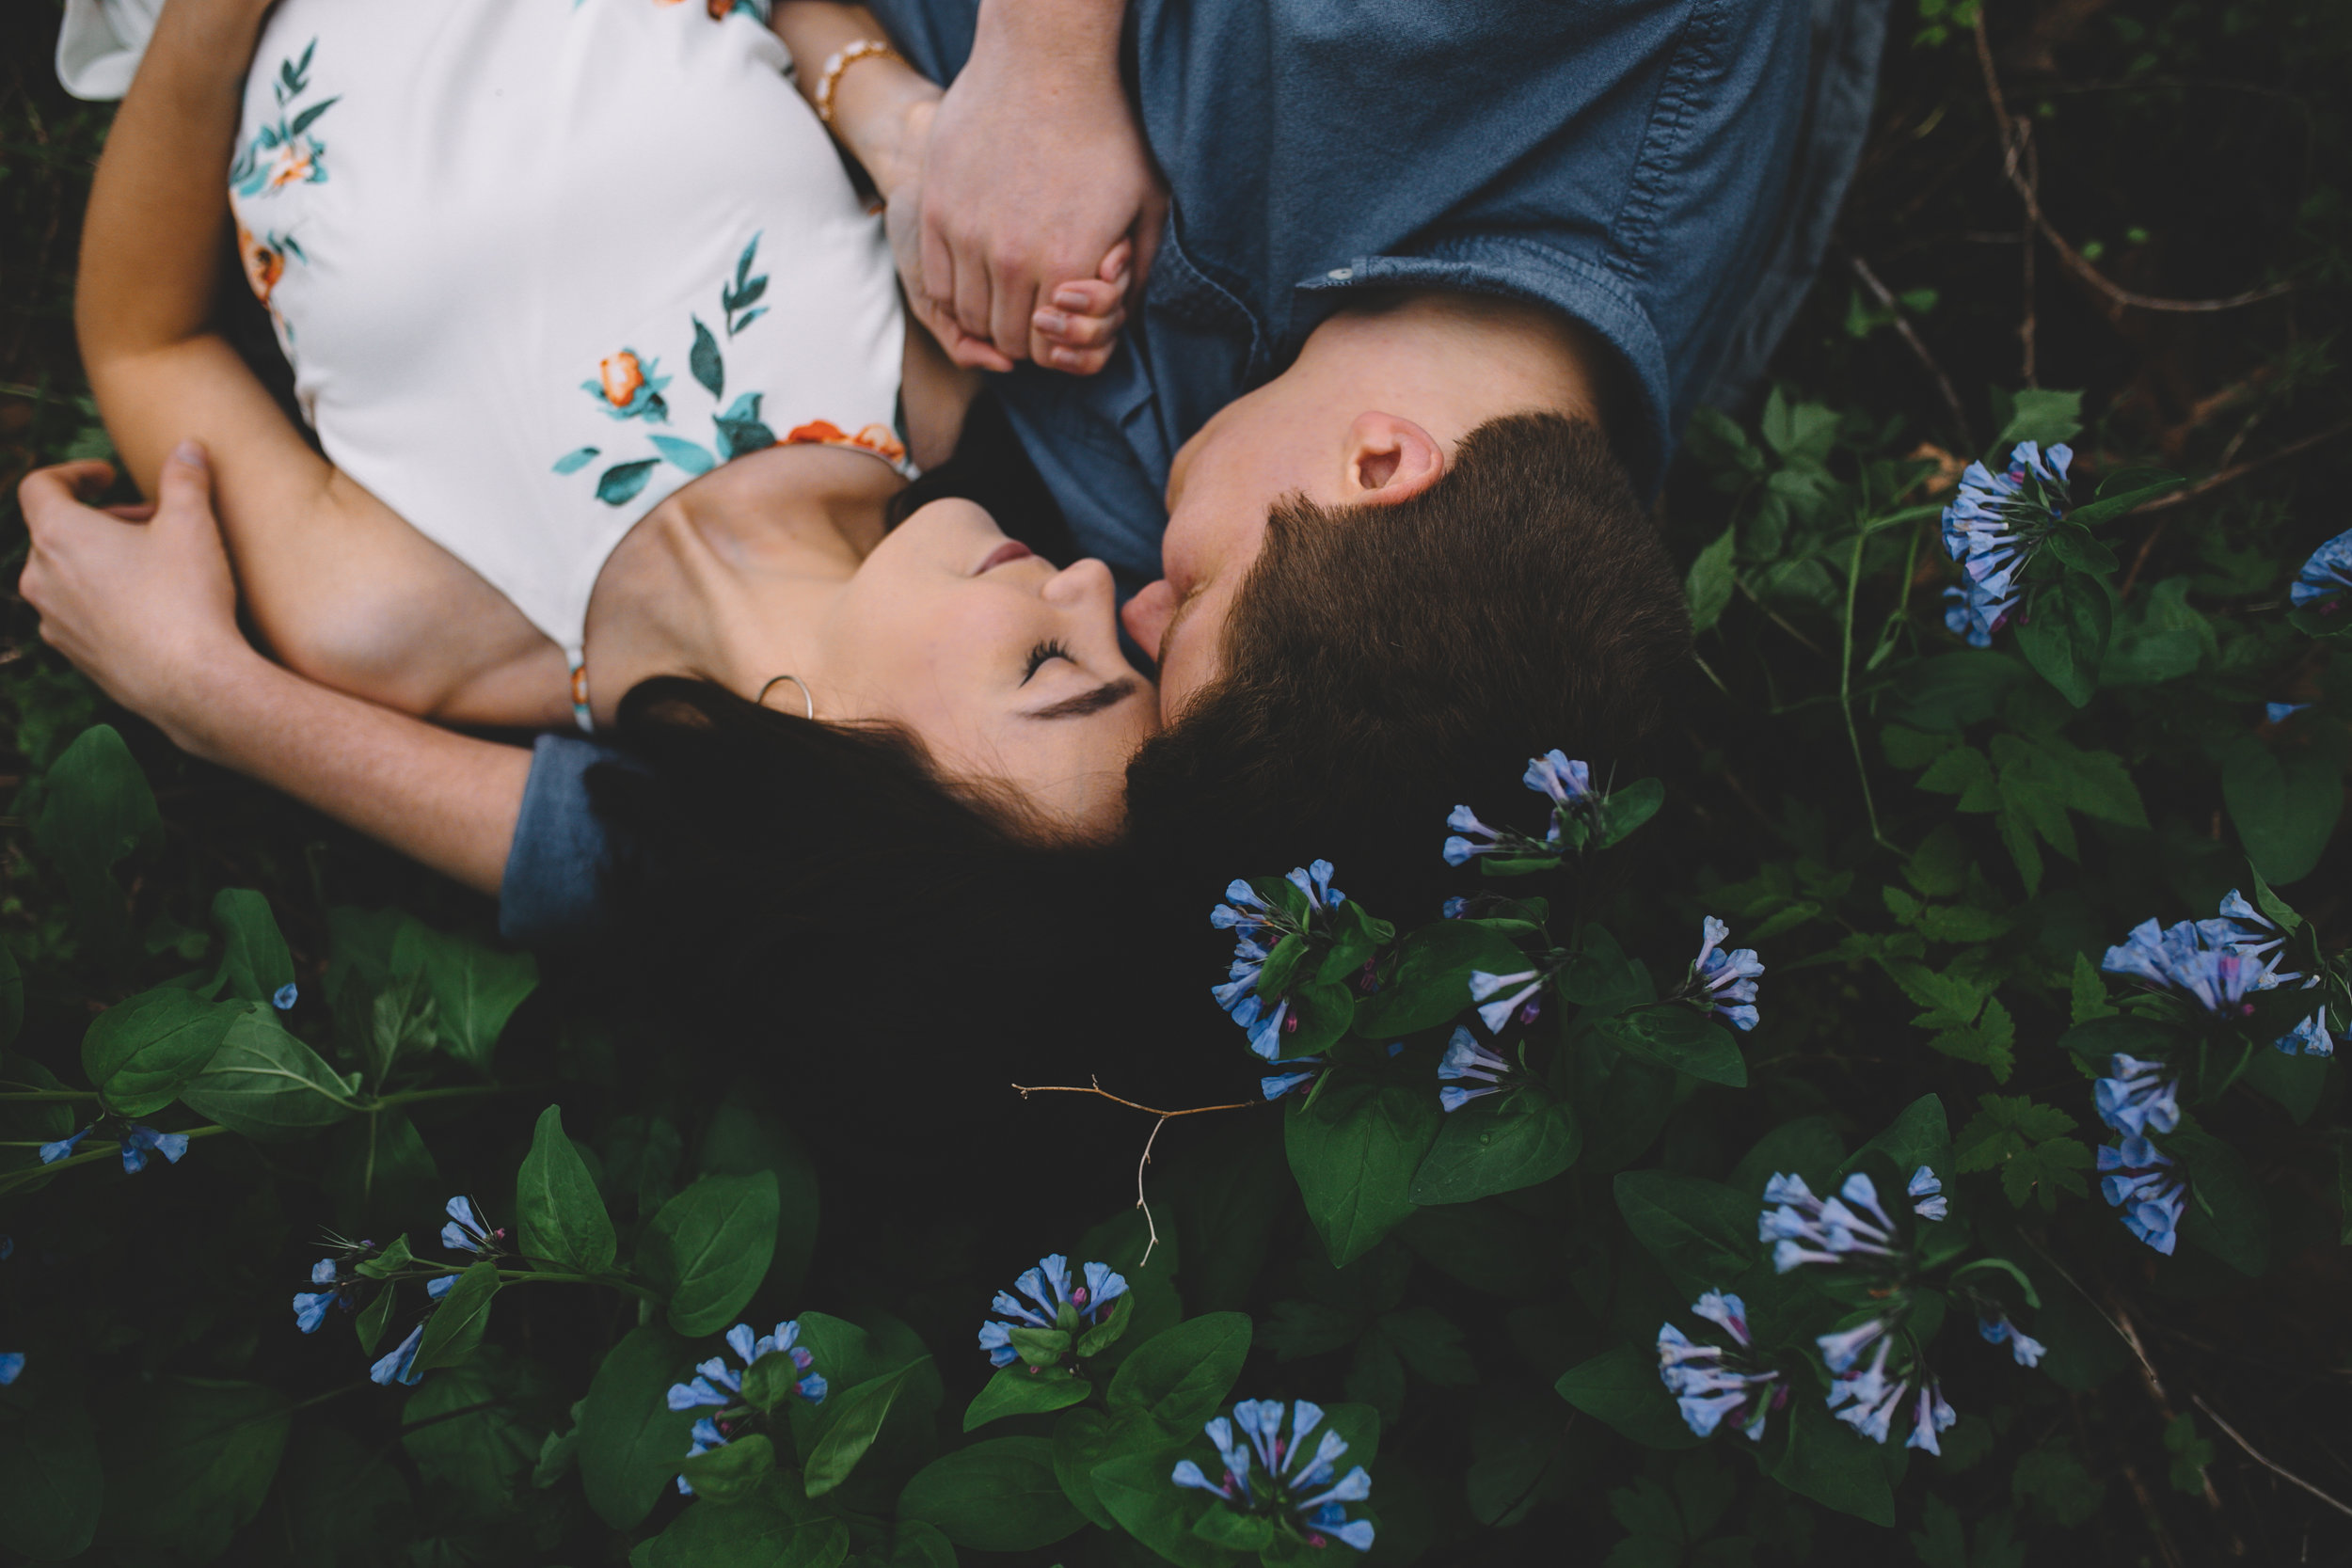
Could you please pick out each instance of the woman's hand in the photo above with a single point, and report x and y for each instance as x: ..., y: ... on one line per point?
x: 139, y: 597
x: 1036, y: 182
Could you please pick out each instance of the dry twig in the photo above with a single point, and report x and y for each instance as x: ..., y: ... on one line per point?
x: 1886, y: 301
x: 2272, y: 1465
x: 1152, y: 1230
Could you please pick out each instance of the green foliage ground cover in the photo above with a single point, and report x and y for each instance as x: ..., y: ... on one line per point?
x: 1931, y: 846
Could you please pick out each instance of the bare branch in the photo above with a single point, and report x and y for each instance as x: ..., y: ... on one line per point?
x: 2274, y: 1467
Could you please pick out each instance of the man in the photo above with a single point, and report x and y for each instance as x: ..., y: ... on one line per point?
x: 1417, y: 261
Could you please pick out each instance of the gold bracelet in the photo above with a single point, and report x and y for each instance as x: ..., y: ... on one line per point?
x: 844, y: 57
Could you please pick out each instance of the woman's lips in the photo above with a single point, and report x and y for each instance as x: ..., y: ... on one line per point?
x: 1011, y: 549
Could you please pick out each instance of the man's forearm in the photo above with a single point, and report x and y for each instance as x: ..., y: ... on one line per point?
x: 150, y: 239
x: 447, y: 799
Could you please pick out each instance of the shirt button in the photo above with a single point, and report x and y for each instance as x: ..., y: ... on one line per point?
x: 1340, y: 274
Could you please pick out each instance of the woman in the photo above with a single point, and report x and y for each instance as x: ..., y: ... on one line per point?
x: 612, y: 378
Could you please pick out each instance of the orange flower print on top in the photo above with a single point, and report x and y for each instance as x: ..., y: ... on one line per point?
x: 879, y: 439
x: 263, y: 264
x: 628, y: 388
x: 621, y: 376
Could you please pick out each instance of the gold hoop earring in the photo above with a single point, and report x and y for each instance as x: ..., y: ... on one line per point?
x: 808, y: 698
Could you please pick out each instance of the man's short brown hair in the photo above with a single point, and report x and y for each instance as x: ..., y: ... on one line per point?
x: 1381, y: 662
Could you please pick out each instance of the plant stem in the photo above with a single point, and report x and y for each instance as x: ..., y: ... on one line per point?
x: 19, y: 1178
x: 1845, y: 683
x: 461, y: 1091
x: 49, y: 1094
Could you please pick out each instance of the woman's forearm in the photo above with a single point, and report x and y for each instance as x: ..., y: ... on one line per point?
x: 879, y: 103
x: 444, y: 799
x: 150, y: 239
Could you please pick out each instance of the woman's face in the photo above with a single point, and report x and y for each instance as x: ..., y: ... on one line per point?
x: 1005, y: 667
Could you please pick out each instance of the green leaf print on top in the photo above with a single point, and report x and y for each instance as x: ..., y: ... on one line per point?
x: 285, y: 154
x: 629, y: 387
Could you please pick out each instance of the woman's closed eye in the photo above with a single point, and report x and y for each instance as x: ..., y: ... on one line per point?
x: 1052, y: 648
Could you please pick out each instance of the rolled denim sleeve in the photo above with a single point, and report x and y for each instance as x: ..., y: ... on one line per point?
x: 553, y: 895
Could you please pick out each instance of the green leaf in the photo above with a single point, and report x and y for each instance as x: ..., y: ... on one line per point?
x: 2226, y: 1215
x: 51, y: 1485
x: 2064, y: 631
x: 371, y: 1319
x: 1682, y: 1039
x: 709, y: 1247
x: 1712, y: 577
x: 703, y: 360
x: 1825, y: 1461
x: 254, y: 962
x: 2284, y: 806
x: 1626, y: 809
x: 630, y: 1443
x: 394, y: 1257
x: 742, y: 1139
x: 1494, y: 1146
x: 1024, y: 1391
x: 196, y: 1457
x: 1135, y: 1490
x: 2037, y: 414
x: 1181, y: 1376
x: 558, y: 1214
x: 620, y: 482
x: 96, y: 810
x: 142, y: 1051
x: 773, y: 1529
x: 475, y: 987
x: 2027, y: 1142
x: 1702, y: 1231
x: 267, y: 1084
x: 1963, y: 772
x: 1430, y: 982
x: 2115, y: 503
x: 1990, y: 1040
x: 733, y: 1472
x: 1621, y: 1387
x: 457, y: 1324
x: 400, y: 1024
x: 2087, y: 993
x: 1353, y: 1149
x: 1113, y: 1328
x: 851, y: 1422
x: 996, y: 1496
x: 2054, y: 1482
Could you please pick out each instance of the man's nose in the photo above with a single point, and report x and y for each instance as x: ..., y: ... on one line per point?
x: 1146, y: 615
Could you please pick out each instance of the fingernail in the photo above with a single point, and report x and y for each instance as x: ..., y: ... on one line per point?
x: 1070, y: 299
x: 189, y: 453
x: 1052, y: 322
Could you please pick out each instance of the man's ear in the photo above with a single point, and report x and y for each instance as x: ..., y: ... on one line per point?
x: 1387, y: 459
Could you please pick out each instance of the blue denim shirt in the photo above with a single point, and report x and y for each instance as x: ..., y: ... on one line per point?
x: 1622, y: 160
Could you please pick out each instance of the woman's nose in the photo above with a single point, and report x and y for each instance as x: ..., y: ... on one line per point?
x: 1080, y: 582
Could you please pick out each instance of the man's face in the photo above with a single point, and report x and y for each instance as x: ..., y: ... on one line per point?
x: 1221, y: 487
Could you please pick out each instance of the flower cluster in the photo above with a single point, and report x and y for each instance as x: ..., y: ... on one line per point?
x: 2323, y: 580
x: 1569, y: 787
x: 1713, y: 1383
x: 1058, y: 1309
x: 1873, y: 1398
x: 2213, y: 962
x: 1274, y: 1483
x: 1997, y: 1329
x: 137, y: 1141
x: 718, y: 1387
x: 1723, y: 982
x: 310, y: 1307
x: 1851, y: 1227
x: 1995, y: 524
x: 1258, y: 927
x: 1523, y: 1000
x: 467, y: 1231
x: 2137, y: 1098
x: 2141, y: 1180
x: 1467, y: 1062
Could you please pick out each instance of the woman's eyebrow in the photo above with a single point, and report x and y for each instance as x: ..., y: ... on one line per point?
x: 1108, y: 695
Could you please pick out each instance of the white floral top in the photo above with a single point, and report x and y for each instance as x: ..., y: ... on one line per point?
x: 539, y: 263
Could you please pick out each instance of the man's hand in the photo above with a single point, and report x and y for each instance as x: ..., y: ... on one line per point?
x: 1035, y: 177
x: 139, y: 597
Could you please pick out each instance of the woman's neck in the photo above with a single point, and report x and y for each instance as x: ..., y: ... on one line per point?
x: 729, y: 578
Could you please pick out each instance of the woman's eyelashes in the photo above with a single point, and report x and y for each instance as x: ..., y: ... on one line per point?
x: 1052, y: 648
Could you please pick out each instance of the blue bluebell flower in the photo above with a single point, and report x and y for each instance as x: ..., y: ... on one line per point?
x: 1851, y: 1226
x: 310, y: 1307
x: 1567, y: 783
x: 285, y: 996
x: 1314, y: 880
x: 1870, y: 1396
x: 2309, y: 1038
x: 11, y: 1367
x: 1051, y: 1302
x: 2323, y: 580
x: 1245, y: 910
x: 718, y: 1384
x: 1468, y: 1062
x: 1725, y: 980
x: 1714, y: 1384
x: 138, y: 1141
x: 2279, y: 713
x: 1930, y: 1416
x: 1993, y: 527
x: 2136, y: 1096
x: 1997, y: 1329
x: 1452, y: 909
x: 1927, y: 1189
x: 52, y: 1152
x: 1303, y: 1496
x: 466, y: 1231
x: 2141, y: 1180
x: 2215, y: 962
x: 1494, y: 1015
x: 1274, y: 1086
x: 399, y: 1364
x: 437, y: 1289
